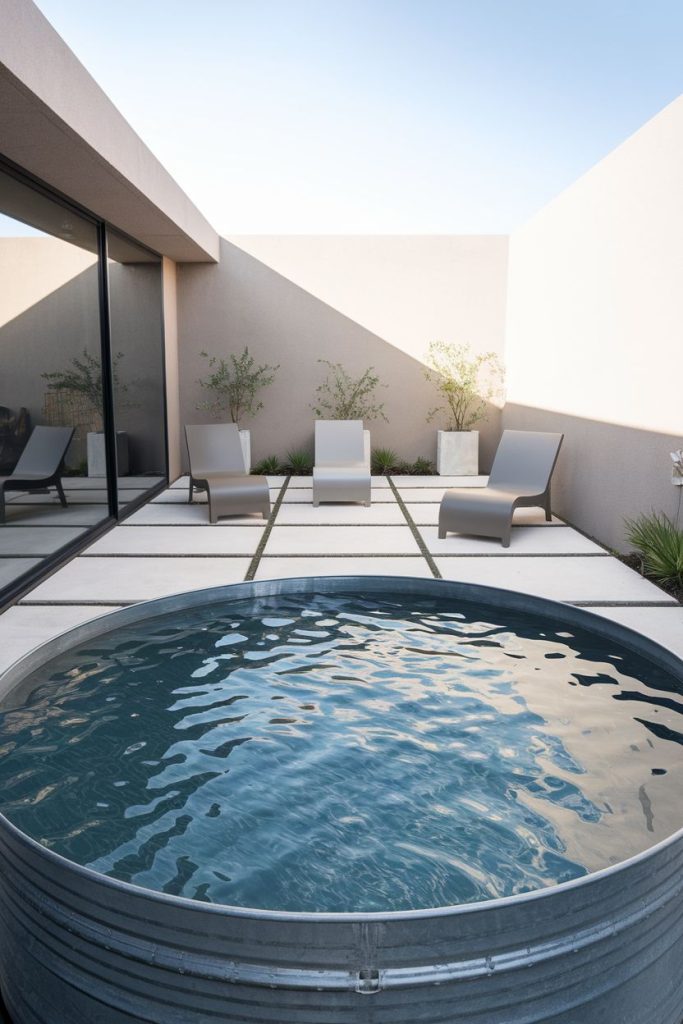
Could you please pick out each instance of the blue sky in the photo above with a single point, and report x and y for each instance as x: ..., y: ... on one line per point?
x: 378, y: 116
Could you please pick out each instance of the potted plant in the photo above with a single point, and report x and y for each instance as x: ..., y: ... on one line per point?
x: 84, y: 380
x: 341, y: 396
x: 233, y: 385
x: 465, y: 383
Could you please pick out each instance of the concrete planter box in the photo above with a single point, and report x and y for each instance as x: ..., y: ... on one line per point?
x: 97, y: 459
x: 457, y: 452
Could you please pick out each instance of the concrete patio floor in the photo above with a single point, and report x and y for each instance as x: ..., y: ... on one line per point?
x: 169, y: 546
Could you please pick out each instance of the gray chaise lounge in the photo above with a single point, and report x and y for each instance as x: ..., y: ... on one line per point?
x: 40, y: 465
x: 217, y: 467
x: 520, y: 477
x: 342, y: 462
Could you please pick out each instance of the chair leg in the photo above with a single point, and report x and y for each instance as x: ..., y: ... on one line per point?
x: 548, y: 513
x: 505, y: 539
x: 191, y: 495
x: 60, y: 492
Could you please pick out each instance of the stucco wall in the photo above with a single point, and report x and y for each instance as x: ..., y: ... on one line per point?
x: 594, y: 341
x: 49, y: 314
x: 379, y: 303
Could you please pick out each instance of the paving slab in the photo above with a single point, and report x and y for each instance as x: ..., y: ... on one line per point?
x: 663, y: 625
x: 341, y: 540
x: 12, y: 568
x: 177, y: 540
x: 55, y: 515
x: 439, y: 482
x: 579, y: 579
x: 385, y: 513
x: 421, y: 494
x: 526, y: 540
x: 136, y: 579
x: 183, y: 482
x: 37, y: 540
x: 182, y: 514
x: 177, y: 496
x: 427, y: 514
x: 82, y: 496
x: 285, y: 568
x: 24, y: 627
x: 125, y: 483
x: 305, y: 496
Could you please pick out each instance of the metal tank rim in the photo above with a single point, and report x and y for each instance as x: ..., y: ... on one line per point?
x: 12, y: 678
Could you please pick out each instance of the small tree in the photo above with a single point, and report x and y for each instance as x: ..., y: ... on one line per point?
x: 84, y: 378
x: 343, y: 397
x: 465, y: 382
x: 234, y: 384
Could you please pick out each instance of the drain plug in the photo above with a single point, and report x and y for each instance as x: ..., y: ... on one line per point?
x: 368, y: 981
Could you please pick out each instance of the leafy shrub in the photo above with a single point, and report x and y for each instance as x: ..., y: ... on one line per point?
x: 465, y: 382
x: 269, y: 465
x: 383, y: 460
x: 84, y: 378
x: 233, y: 385
x: 422, y: 467
x: 299, y: 463
x: 660, y: 544
x: 343, y: 397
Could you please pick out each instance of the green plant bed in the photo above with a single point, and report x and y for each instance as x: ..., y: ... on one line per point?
x: 270, y: 466
x: 659, y: 551
x: 298, y: 463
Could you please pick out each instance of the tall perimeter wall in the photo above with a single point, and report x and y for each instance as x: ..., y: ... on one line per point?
x: 594, y: 339
x: 360, y: 301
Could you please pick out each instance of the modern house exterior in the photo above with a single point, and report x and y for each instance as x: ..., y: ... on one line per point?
x: 109, y: 272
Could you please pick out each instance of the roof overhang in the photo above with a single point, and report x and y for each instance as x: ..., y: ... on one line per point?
x: 57, y: 124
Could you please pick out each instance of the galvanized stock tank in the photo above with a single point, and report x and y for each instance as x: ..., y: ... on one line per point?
x: 81, y: 948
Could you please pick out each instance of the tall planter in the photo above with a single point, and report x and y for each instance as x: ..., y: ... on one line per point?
x: 457, y: 452
x: 97, y: 458
x: 245, y: 441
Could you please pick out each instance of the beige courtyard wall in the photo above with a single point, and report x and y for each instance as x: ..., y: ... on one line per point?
x: 409, y: 290
x: 594, y: 340
x: 358, y: 301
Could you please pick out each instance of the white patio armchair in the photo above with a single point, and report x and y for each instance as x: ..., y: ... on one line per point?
x: 342, y: 462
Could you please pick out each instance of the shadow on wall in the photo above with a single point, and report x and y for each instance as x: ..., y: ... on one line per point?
x: 241, y: 301
x: 605, y: 471
x: 51, y: 332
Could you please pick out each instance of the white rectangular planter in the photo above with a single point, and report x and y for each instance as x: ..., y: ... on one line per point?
x: 457, y: 452
x: 245, y: 441
x: 97, y: 459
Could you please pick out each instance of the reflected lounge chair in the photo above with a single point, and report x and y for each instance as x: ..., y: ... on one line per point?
x: 40, y: 465
x: 342, y: 462
x: 217, y: 467
x: 520, y: 477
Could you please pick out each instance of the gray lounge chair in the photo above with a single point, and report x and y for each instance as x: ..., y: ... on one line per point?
x: 342, y: 462
x: 520, y: 477
x: 217, y: 467
x: 40, y: 465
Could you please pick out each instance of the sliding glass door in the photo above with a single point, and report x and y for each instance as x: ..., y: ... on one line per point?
x: 82, y: 407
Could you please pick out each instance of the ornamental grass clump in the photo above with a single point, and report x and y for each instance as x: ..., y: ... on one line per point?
x: 233, y: 385
x: 342, y: 396
x: 269, y: 466
x: 659, y: 542
x: 299, y: 463
x: 465, y: 383
x: 383, y: 461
